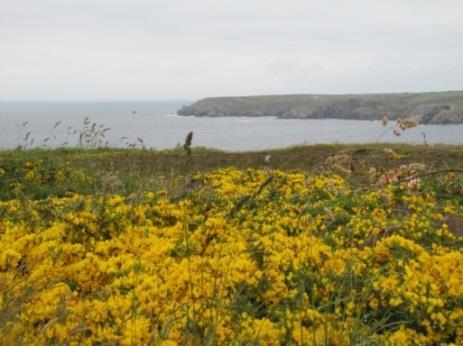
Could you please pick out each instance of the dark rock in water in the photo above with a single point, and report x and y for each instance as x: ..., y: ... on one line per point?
x: 183, y: 111
x: 434, y: 108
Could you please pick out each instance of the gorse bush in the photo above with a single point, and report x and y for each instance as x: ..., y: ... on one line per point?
x: 241, y: 257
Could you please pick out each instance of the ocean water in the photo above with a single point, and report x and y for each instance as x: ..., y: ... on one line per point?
x: 158, y: 126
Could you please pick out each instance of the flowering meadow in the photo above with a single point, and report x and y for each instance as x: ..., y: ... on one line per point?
x: 240, y: 257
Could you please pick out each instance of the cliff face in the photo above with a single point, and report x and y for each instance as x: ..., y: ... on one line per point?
x: 427, y: 108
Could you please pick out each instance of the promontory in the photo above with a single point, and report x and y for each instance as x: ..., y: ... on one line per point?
x: 427, y: 108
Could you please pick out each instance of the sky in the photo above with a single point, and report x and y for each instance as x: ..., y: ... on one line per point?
x: 116, y: 50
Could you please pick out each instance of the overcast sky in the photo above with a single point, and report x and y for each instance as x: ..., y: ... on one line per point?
x: 59, y: 50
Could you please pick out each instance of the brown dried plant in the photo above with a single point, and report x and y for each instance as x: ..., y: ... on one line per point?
x: 188, y: 142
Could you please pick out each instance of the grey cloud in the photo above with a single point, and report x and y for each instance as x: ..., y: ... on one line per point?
x: 156, y: 49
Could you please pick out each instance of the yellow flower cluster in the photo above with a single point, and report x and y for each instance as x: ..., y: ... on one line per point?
x: 41, y: 177
x: 243, y: 257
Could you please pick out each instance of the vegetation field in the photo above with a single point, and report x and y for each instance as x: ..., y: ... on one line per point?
x: 313, y: 245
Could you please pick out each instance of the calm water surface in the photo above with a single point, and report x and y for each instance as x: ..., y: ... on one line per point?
x: 158, y: 126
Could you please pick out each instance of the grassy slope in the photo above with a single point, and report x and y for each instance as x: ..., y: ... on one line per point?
x: 408, y: 99
x: 136, y: 169
x: 308, y: 157
x: 370, y: 106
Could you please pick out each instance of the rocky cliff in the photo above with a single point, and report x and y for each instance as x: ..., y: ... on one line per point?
x: 427, y: 108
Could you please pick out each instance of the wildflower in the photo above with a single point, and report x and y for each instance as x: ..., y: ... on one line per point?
x: 385, y: 120
x: 83, y: 269
x: 414, y: 184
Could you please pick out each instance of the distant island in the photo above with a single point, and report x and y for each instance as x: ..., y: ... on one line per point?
x: 427, y: 108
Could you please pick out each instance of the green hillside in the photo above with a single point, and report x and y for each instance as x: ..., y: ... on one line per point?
x: 433, y: 107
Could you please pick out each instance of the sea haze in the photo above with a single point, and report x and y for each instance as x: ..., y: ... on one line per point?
x: 157, y: 124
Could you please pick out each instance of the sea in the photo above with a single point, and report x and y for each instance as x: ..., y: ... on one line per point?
x: 156, y: 125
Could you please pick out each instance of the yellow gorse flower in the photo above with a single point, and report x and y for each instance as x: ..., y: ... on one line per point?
x: 249, y: 256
